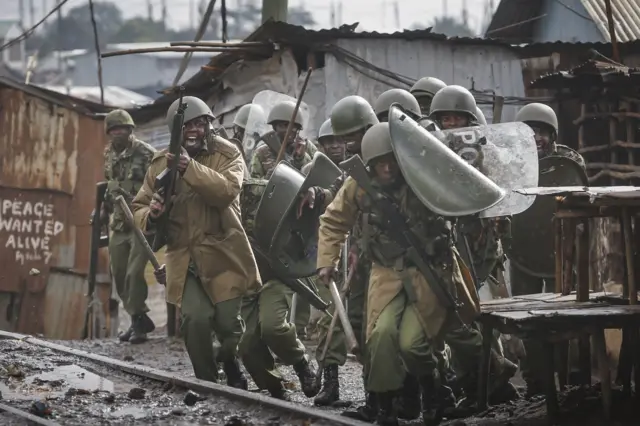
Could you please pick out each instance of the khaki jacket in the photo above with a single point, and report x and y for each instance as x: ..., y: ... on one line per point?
x: 385, y: 282
x: 205, y: 225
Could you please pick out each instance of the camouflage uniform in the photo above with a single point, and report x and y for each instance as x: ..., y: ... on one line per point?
x: 125, y: 171
x: 268, y: 330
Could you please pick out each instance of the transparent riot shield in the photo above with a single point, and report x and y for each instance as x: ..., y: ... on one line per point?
x: 506, y: 153
x: 258, y: 131
x: 443, y: 181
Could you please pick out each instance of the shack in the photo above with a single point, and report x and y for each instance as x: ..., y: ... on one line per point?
x: 345, y: 62
x: 51, y: 148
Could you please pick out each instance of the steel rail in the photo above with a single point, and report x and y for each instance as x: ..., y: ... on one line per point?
x: 28, y: 416
x: 194, y: 384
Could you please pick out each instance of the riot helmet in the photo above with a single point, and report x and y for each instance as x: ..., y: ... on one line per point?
x: 454, y: 100
x: 400, y: 96
x: 198, y: 123
x: 196, y: 107
x: 332, y: 146
x: 325, y: 130
x: 118, y: 118
x: 544, y: 122
x: 283, y: 111
x: 376, y: 142
x: 424, y: 90
x: 351, y: 114
x: 480, y: 116
x: 243, y: 114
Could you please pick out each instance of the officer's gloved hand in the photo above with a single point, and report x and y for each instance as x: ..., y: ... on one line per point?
x: 161, y: 275
x: 309, y: 199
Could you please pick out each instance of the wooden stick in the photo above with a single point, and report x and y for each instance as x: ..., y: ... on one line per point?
x: 283, y: 144
x: 173, y: 49
x: 628, y: 254
x: 218, y: 44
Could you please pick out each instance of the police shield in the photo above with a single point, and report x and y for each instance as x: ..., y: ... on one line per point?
x: 507, y: 154
x: 444, y: 182
x: 258, y: 131
x: 294, y: 245
x: 532, y: 247
x: 281, y: 190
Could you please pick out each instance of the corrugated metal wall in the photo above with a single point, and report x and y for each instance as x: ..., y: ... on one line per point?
x: 51, y: 160
x: 482, y: 67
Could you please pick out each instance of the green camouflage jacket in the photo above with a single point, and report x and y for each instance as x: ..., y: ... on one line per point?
x: 125, y: 172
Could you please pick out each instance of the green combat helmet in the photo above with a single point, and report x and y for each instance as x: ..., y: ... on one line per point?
x: 283, y: 111
x: 196, y: 107
x: 254, y: 111
x: 118, y: 117
x: 325, y: 130
x: 427, y: 86
x: 376, y: 142
x: 539, y: 113
x: 454, y: 99
x: 401, y: 96
x: 351, y: 114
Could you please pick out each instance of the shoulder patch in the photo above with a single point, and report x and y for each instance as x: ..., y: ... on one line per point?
x: 226, y: 148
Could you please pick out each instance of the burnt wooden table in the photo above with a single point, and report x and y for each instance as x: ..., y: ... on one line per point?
x: 551, y: 319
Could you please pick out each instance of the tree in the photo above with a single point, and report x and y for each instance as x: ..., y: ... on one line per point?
x: 141, y: 30
x: 451, y: 27
x: 75, y: 30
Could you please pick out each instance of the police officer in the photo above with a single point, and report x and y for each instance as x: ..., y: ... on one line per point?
x: 210, y: 265
x: 247, y: 112
x: 126, y: 161
x: 264, y: 157
x: 544, y: 122
x: 268, y: 330
x: 455, y: 107
x: 351, y: 117
x: 403, y: 314
x: 424, y: 90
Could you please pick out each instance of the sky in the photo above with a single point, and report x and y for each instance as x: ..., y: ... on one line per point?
x: 373, y: 15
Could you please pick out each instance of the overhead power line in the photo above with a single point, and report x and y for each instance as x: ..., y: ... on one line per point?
x: 30, y: 31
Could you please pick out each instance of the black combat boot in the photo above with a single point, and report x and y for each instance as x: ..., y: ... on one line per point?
x: 330, y: 391
x: 235, y: 376
x: 280, y: 393
x: 387, y: 409
x: 468, y: 405
x: 307, y: 377
x: 364, y: 413
x: 432, y: 394
x: 126, y: 335
x: 409, y: 401
x: 141, y: 324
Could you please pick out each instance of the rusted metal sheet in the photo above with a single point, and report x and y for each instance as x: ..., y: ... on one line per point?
x: 34, y: 233
x: 68, y: 290
x: 51, y: 161
x: 39, y: 143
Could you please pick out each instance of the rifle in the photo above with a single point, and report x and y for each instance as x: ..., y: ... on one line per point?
x: 396, y: 223
x: 165, y: 182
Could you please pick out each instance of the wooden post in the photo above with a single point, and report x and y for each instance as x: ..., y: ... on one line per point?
x: 275, y: 9
x: 612, y: 30
x: 629, y: 256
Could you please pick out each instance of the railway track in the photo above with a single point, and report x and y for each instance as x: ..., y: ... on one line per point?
x: 82, y: 388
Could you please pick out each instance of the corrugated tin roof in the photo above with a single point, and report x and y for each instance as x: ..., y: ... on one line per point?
x: 626, y: 18
x: 113, y: 95
x: 590, y: 74
x: 79, y: 105
x: 515, y: 20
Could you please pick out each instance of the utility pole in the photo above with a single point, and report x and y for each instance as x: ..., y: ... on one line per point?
x: 22, y: 23
x: 192, y: 14
x: 149, y: 10
x: 396, y: 12
x: 32, y: 12
x: 332, y: 15
x: 275, y: 9
x: 59, y: 37
x: 164, y: 14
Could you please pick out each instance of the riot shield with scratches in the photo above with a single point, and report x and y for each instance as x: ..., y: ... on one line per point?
x: 444, y: 182
x: 294, y: 245
x: 506, y: 153
x: 533, y: 242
